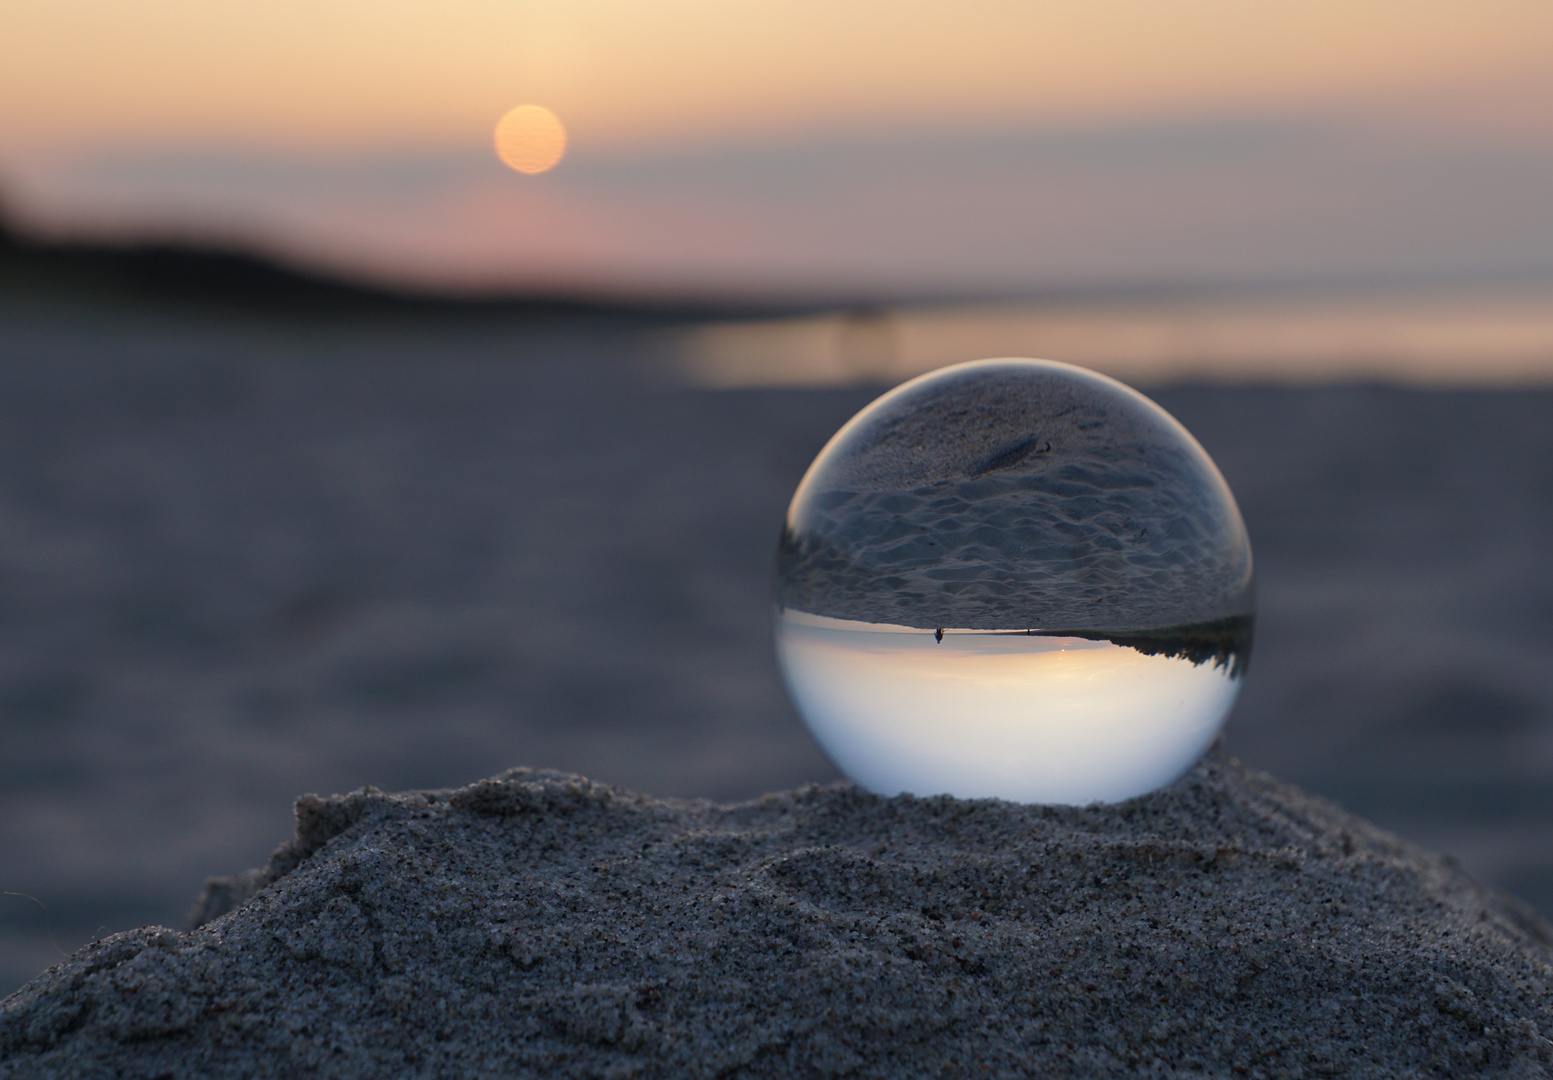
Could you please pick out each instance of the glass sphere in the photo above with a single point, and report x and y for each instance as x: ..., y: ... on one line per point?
x: 1014, y: 579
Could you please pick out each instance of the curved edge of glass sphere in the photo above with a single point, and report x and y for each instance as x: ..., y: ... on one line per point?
x: 1017, y: 579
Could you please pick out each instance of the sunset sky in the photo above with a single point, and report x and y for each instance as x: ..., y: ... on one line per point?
x: 800, y: 145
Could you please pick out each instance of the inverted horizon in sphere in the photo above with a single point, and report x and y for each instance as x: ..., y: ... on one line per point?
x: 1070, y: 720
x: 530, y: 139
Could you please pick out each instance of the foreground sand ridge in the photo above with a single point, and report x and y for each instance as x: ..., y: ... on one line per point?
x: 538, y: 924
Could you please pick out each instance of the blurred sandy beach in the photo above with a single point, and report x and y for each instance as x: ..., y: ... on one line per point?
x: 243, y: 557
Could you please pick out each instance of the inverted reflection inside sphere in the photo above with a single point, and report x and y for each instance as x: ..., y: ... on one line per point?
x: 1014, y: 579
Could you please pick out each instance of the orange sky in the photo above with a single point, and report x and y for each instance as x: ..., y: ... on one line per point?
x: 810, y: 146
x: 362, y: 73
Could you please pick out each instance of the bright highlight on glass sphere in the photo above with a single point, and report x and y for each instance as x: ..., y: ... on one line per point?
x: 530, y: 139
x: 1014, y: 579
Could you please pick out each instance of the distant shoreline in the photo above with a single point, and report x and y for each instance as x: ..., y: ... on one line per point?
x: 1495, y: 330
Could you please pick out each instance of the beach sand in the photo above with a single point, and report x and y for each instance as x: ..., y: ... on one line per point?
x: 245, y: 559
x: 539, y: 924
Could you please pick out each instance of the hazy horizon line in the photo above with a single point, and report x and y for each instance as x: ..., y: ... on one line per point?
x: 130, y: 244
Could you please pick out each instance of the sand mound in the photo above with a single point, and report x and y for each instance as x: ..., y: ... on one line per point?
x: 542, y: 925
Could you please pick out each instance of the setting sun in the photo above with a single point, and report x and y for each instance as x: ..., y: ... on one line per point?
x: 530, y: 139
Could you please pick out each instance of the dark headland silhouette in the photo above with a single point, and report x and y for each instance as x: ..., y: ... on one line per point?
x: 238, y: 279
x: 1226, y: 642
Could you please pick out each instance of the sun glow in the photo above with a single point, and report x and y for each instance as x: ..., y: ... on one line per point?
x: 530, y: 139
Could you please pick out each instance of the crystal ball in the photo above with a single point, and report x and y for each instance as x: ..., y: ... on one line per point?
x: 1014, y: 579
